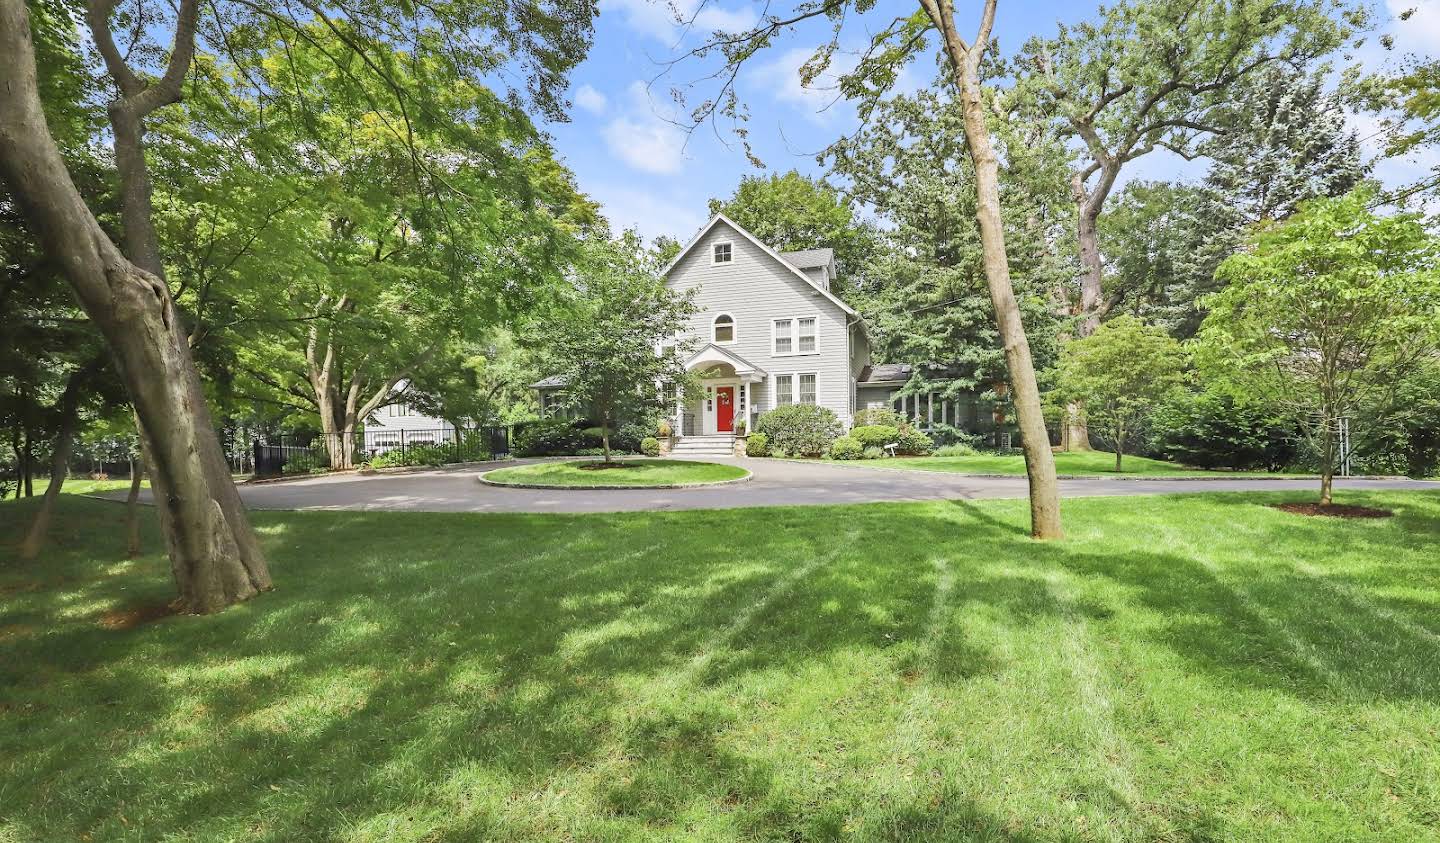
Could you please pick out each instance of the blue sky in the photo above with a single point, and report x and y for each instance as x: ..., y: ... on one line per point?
x: 648, y: 174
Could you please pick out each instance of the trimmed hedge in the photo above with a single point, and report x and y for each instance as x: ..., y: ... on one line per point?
x: 875, y: 435
x: 757, y: 445
x: 846, y: 448
x: 877, y: 416
x: 801, y: 430
x: 913, y: 443
x: 650, y: 446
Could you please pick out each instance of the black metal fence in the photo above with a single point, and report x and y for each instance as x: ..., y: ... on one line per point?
x: 305, y: 453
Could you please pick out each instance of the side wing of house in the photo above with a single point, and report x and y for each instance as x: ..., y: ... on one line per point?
x: 767, y: 333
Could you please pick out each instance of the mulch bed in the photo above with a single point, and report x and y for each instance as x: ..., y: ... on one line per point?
x: 1334, y: 510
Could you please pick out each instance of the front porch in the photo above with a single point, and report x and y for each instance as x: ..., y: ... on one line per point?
x: 729, y: 392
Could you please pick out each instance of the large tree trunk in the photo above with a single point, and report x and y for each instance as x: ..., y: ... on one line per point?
x: 132, y: 510
x: 1087, y: 235
x: 1039, y: 461
x: 215, y: 556
x: 69, y: 412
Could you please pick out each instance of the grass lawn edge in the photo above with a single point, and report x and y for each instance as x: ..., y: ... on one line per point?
x: 607, y: 487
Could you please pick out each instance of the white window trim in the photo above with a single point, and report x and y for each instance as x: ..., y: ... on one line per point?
x: 734, y: 329
x: 794, y: 387
x: 717, y: 244
x: 794, y: 336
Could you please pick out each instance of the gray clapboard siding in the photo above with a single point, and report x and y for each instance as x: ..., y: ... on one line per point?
x: 755, y: 288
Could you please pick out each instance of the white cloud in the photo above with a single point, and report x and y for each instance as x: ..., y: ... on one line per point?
x: 821, y: 99
x: 666, y: 20
x: 648, y: 212
x: 1421, y: 33
x: 642, y: 138
x: 590, y: 99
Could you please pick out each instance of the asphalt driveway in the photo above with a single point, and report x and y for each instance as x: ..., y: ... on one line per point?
x: 775, y: 483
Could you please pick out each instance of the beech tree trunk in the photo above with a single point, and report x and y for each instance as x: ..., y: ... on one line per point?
x: 215, y: 557
x: 1039, y: 461
x: 1092, y: 273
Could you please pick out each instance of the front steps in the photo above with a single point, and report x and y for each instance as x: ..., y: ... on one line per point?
x: 715, y: 445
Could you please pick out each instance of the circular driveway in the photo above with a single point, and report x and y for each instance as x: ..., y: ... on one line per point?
x: 775, y: 483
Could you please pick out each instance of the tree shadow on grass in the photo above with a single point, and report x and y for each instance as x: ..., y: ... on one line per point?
x: 455, y: 672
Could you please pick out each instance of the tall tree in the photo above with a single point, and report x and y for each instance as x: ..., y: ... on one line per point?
x: 1325, y: 315
x: 1151, y: 74
x: 614, y: 345
x: 1283, y: 140
x: 891, y: 45
x: 925, y: 296
x: 215, y: 557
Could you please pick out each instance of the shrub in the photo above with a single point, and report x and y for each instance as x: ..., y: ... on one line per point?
x: 913, y: 443
x: 778, y: 453
x: 1213, y: 430
x: 650, y: 446
x: 804, y: 430
x: 874, y: 453
x: 472, y: 447
x: 758, y: 445
x: 875, y: 435
x: 663, y: 429
x: 629, y: 436
x: 846, y: 448
x: 548, y: 437
x: 877, y: 416
x: 955, y: 451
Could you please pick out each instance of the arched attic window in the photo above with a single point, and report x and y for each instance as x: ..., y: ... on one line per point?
x: 723, y: 329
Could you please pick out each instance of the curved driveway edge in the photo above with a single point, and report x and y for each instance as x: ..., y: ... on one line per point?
x: 611, y: 487
x: 772, y: 483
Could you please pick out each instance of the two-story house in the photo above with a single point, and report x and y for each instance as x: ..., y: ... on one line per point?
x: 768, y: 331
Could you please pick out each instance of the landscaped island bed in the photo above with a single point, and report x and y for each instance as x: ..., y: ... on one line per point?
x: 626, y: 473
x: 1180, y: 666
x: 1073, y: 463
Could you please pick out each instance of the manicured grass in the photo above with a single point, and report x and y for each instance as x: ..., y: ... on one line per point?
x: 1097, y: 463
x: 633, y: 472
x: 82, y: 486
x: 1182, y: 667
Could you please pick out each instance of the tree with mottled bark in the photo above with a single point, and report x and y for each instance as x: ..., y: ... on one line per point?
x: 1152, y: 75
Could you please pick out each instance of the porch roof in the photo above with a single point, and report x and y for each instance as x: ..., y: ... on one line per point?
x: 711, y: 354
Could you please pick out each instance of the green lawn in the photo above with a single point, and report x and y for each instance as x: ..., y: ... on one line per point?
x: 579, y: 474
x: 1099, y: 463
x: 1183, y: 667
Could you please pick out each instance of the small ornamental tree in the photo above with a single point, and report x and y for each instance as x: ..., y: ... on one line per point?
x: 614, y: 347
x: 1325, y: 315
x: 1119, y: 373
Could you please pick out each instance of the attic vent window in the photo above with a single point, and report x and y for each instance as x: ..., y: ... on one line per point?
x: 722, y: 253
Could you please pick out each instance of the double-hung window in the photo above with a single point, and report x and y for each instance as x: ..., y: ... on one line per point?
x: 806, y: 392
x: 805, y: 342
x: 796, y: 388
x: 784, y: 390
x: 796, y: 335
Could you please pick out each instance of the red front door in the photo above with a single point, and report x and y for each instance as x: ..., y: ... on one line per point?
x: 724, y: 409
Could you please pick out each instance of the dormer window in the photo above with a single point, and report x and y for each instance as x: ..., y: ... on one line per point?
x: 721, y: 253
x: 723, y: 329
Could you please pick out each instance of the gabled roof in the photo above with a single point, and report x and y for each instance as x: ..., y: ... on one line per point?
x: 552, y: 382
x: 719, y: 218
x: 712, y: 353
x: 809, y: 258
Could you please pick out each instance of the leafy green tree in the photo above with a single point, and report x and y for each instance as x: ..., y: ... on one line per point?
x: 614, y: 345
x: 1159, y: 75
x: 1119, y: 373
x: 1283, y: 140
x: 1325, y: 314
x: 924, y: 296
x: 216, y: 557
x: 478, y: 382
x: 791, y: 212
